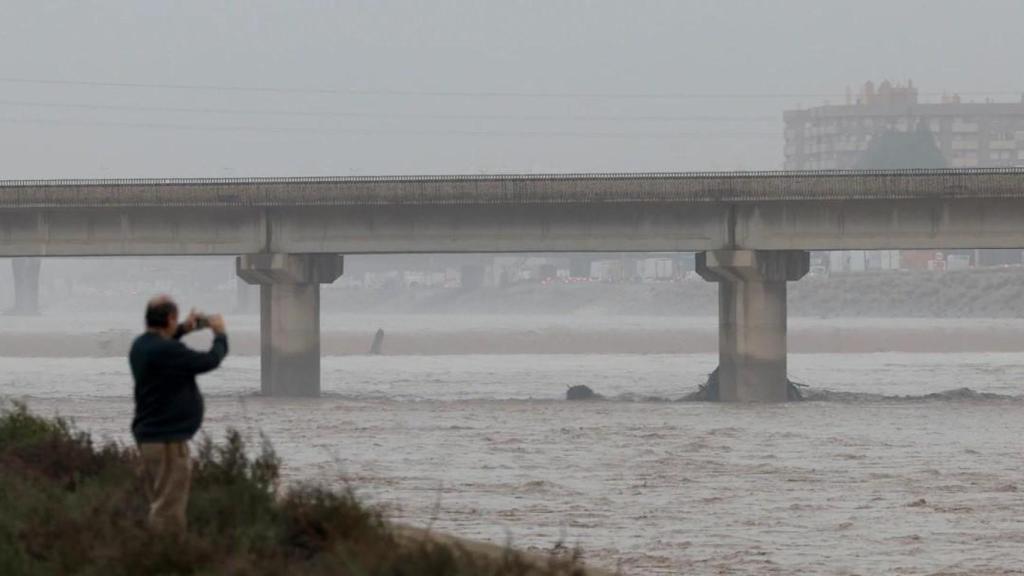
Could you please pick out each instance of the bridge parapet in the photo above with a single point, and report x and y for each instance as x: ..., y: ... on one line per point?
x: 516, y: 189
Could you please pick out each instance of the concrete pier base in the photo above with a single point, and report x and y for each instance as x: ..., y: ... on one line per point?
x: 26, y: 286
x: 752, y: 319
x: 290, y: 318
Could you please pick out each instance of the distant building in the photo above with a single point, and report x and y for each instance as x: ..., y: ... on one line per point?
x: 889, y: 128
x: 966, y: 134
x: 656, y: 269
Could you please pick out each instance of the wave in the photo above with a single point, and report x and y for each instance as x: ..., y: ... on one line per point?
x: 953, y: 395
x: 809, y: 394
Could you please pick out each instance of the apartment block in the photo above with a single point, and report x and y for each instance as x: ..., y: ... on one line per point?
x: 967, y: 134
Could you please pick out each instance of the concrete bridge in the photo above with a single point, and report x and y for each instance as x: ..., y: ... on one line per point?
x: 752, y: 232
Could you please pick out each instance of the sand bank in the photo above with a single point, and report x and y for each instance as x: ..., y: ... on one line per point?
x: 633, y: 336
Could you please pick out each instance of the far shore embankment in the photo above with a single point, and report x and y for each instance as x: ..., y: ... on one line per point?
x: 441, y: 335
x: 927, y: 312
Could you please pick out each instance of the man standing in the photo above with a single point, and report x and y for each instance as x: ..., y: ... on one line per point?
x: 168, y: 405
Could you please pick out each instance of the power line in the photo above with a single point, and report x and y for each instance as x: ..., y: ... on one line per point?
x: 385, y: 92
x: 658, y: 135
x: 462, y: 93
x: 331, y: 114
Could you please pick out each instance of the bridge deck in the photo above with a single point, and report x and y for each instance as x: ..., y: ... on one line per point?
x: 734, y: 187
x: 554, y: 213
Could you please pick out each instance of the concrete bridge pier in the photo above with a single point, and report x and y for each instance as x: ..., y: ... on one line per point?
x: 26, y: 286
x: 752, y: 319
x: 290, y: 317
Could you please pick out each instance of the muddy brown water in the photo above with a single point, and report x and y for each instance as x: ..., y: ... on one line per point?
x: 879, y: 479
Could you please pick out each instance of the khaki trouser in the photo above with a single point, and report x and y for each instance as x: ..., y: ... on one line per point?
x: 167, y: 471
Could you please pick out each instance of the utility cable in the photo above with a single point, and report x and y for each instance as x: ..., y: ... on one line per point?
x: 464, y: 93
x: 332, y: 114
x: 659, y: 135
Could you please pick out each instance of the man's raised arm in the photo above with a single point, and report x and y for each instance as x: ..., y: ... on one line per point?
x: 184, y: 359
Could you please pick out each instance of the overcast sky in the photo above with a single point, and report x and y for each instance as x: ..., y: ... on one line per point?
x: 207, y: 88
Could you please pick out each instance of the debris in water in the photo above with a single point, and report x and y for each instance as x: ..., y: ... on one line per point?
x: 582, y: 392
x: 378, y: 342
x: 961, y: 394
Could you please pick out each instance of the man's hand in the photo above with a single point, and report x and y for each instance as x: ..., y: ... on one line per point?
x: 189, y: 325
x: 217, y: 324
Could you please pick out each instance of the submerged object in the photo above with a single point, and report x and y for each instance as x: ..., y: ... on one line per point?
x: 378, y: 342
x: 582, y: 392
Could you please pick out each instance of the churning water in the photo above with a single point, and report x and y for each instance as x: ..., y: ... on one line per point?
x: 879, y: 478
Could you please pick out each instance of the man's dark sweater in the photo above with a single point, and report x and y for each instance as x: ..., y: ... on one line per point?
x: 168, y: 405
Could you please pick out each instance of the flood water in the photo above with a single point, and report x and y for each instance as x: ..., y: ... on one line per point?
x: 884, y: 480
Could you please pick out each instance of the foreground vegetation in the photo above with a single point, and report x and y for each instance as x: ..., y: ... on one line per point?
x: 72, y: 507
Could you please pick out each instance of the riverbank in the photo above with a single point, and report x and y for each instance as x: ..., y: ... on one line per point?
x: 73, y: 287
x: 433, y: 335
x: 982, y: 293
x: 71, y: 506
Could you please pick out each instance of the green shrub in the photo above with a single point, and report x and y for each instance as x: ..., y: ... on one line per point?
x: 70, y: 507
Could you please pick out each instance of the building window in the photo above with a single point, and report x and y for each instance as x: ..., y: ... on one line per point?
x: 961, y: 126
x: 965, y: 144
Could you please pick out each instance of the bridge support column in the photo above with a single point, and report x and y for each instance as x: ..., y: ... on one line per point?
x: 752, y: 319
x: 290, y: 317
x: 26, y: 286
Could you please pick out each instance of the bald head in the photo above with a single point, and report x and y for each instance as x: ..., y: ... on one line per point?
x: 161, y: 312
